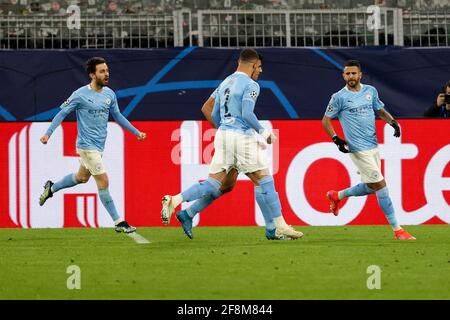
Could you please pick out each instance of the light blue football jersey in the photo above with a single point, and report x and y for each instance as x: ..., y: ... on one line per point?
x: 356, y: 113
x: 229, y: 96
x: 92, y: 110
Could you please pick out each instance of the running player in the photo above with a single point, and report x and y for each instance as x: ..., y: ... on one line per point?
x: 93, y: 103
x: 236, y: 146
x: 354, y: 106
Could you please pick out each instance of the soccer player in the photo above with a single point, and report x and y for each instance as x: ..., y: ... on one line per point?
x: 93, y: 103
x: 355, y: 106
x: 230, y: 180
x: 236, y: 146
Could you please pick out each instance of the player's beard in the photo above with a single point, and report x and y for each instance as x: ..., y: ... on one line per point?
x: 352, y: 83
x: 100, y: 83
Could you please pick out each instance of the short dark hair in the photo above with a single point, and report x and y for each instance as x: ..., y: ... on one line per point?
x: 248, y: 55
x: 353, y: 63
x: 92, y: 63
x: 260, y: 57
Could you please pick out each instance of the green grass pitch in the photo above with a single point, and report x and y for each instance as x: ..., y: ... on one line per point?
x: 225, y: 263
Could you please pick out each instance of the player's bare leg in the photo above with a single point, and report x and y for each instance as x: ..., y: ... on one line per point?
x: 67, y: 182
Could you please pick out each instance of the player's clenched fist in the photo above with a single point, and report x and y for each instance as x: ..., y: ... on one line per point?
x: 270, y: 137
x: 141, y: 136
x: 44, y: 139
x: 341, y: 144
x: 396, y: 127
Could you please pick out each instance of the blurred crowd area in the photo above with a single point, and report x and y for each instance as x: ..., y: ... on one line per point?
x: 120, y: 7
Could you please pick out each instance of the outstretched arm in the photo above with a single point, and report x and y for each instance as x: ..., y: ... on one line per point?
x: 124, y: 123
x: 55, y: 123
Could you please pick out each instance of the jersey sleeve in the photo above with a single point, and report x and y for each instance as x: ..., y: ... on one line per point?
x: 251, y: 92
x: 114, y: 107
x: 377, y: 104
x: 71, y: 103
x: 334, y: 107
x: 119, y: 118
x: 215, y: 93
x: 215, y: 114
x: 66, y: 108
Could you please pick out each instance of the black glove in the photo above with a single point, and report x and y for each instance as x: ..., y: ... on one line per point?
x: 341, y: 144
x: 396, y: 127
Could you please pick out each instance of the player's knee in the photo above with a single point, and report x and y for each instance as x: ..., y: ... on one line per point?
x: 377, y: 185
x: 226, y: 188
x: 102, y: 184
x: 82, y: 179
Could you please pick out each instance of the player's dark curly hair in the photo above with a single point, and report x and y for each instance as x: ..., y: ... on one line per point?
x: 353, y: 63
x: 92, y: 63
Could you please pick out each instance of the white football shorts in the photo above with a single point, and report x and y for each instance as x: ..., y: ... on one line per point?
x: 369, y: 165
x: 92, y: 160
x: 237, y: 150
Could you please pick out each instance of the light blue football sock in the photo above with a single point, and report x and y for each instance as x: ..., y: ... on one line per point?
x: 202, y: 203
x: 270, y: 225
x: 360, y: 189
x: 108, y: 203
x: 386, y: 205
x: 270, y: 195
x: 201, y: 189
x: 66, y: 182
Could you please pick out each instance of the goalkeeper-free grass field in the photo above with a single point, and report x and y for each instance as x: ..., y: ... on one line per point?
x: 225, y: 263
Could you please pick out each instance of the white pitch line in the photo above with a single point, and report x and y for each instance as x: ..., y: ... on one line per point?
x: 138, y: 238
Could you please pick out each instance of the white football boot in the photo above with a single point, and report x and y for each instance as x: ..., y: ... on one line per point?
x: 167, y: 209
x: 289, y: 232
